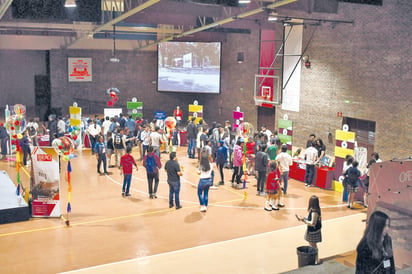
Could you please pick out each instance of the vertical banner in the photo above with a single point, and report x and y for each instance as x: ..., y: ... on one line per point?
x: 196, y: 111
x: 238, y: 119
x: 45, y: 185
x: 267, y: 55
x: 292, y: 66
x: 80, y: 69
x: 345, y: 145
x: 75, y: 116
x: 285, y: 133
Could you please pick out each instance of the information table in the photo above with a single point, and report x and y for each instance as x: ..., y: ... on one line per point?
x: 323, y: 175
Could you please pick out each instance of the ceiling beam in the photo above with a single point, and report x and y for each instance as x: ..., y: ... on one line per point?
x: 4, y: 5
x: 83, y: 27
x: 222, y: 22
x: 109, y: 25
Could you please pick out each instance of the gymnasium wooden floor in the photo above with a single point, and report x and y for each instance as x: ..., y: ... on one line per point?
x: 109, y: 233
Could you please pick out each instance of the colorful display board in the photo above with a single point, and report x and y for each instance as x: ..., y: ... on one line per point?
x: 45, y: 185
x: 135, y: 109
x: 285, y: 133
x: 238, y: 118
x: 196, y: 111
x: 344, y: 145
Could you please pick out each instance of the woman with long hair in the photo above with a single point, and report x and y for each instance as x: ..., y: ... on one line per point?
x: 314, y: 222
x: 374, y: 251
x: 205, y: 180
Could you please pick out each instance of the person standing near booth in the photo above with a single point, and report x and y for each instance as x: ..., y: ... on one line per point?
x: 178, y: 115
x: 191, y: 138
x: 352, y: 174
x: 311, y: 155
x: 284, y: 160
x: 4, y: 139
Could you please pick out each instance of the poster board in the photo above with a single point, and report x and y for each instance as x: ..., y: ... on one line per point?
x: 45, y: 185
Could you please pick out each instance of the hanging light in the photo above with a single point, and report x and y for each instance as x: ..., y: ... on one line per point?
x: 70, y: 4
x: 114, y: 59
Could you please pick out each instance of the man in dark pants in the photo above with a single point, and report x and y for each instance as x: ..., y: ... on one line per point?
x: 152, y: 164
x: 173, y: 179
x: 311, y: 155
x: 191, y: 138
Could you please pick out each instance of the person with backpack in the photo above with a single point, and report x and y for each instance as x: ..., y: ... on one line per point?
x: 152, y: 164
x: 119, y: 143
x: 352, y: 174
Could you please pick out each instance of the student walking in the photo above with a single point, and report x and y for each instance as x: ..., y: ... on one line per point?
x: 100, y: 149
x: 126, y: 169
x: 205, y: 180
x: 152, y: 164
x: 272, y: 187
x: 173, y: 179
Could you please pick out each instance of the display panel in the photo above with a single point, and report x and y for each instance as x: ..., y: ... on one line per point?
x: 191, y: 67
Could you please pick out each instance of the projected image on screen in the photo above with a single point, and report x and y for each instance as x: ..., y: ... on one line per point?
x: 189, y: 67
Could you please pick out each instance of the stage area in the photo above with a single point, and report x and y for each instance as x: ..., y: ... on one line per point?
x: 13, y: 208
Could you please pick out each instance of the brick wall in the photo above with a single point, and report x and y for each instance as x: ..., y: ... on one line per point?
x: 369, y: 64
x: 136, y: 75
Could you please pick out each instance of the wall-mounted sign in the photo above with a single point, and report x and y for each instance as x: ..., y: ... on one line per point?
x: 80, y: 69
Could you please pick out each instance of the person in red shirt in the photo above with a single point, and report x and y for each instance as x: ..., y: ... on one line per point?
x: 126, y: 168
x: 178, y: 114
x: 273, y: 189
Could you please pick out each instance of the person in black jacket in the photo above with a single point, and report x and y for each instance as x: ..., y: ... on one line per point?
x: 352, y: 176
x: 374, y: 251
x: 191, y: 138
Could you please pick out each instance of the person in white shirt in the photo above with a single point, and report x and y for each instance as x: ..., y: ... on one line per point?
x: 145, y: 139
x: 94, y: 131
x: 284, y: 161
x: 311, y: 155
x: 267, y: 132
x: 106, y: 126
x: 155, y: 141
x: 61, y: 127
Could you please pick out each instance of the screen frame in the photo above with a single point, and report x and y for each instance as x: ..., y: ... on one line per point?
x: 190, y: 92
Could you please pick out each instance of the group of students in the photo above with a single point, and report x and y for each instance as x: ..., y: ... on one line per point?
x: 353, y: 180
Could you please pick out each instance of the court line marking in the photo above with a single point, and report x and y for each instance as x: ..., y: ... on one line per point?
x: 202, y: 246
x: 215, y: 204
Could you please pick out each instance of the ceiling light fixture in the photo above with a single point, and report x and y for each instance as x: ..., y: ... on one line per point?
x: 70, y: 4
x: 273, y: 16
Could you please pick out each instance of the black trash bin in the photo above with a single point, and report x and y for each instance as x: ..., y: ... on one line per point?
x: 306, y: 255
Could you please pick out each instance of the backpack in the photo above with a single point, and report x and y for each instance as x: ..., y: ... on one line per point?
x: 150, y: 164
